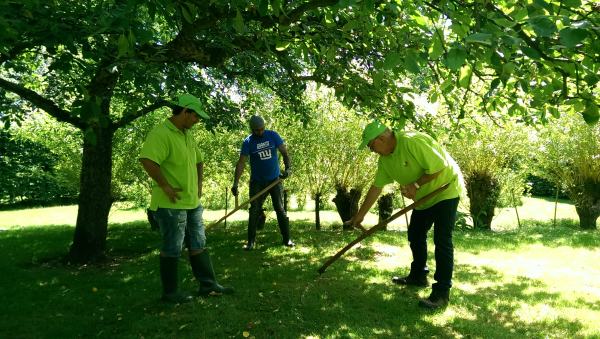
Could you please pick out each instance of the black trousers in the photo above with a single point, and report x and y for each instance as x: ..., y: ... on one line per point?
x: 276, y: 193
x: 442, y: 216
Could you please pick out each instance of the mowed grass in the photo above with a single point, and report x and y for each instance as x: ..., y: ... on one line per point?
x: 538, y: 281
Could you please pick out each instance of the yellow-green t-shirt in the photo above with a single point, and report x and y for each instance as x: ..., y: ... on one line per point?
x: 177, y: 155
x: 417, y: 154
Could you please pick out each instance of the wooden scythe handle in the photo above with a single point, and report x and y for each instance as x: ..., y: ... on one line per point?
x: 372, y: 230
x: 244, y: 204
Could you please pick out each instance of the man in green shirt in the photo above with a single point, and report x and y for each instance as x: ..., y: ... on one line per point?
x: 420, y: 165
x: 172, y: 159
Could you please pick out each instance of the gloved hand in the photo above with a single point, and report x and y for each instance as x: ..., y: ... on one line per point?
x: 286, y: 173
x: 234, y: 189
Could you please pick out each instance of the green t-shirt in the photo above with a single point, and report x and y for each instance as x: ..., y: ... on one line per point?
x: 177, y: 154
x: 417, y: 154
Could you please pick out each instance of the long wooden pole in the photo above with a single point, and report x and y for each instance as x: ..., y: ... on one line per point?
x: 372, y: 230
x: 245, y: 203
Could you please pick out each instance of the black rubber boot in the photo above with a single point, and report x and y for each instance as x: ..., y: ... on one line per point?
x: 168, y: 275
x: 204, y: 273
x: 284, y: 227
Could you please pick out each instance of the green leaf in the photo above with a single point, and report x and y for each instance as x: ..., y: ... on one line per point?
x: 331, y: 54
x: 542, y: 26
x: 545, y: 5
x: 456, y: 58
x: 350, y: 25
x: 554, y: 111
x: 84, y: 91
x: 193, y: 9
x: 103, y: 121
x: 591, y: 79
x: 572, y: 3
x: 570, y: 37
x: 131, y: 45
x: 143, y: 36
x: 369, y: 5
x: 263, y: 7
x: 281, y: 45
x: 239, y: 22
x: 411, y: 64
x: 446, y: 83
x: 590, y: 115
x: 391, y: 60
x: 458, y: 30
x: 494, y: 84
x: 186, y: 15
x: 123, y: 45
x: 479, y: 37
x: 509, y: 40
x: 276, y: 6
x: 505, y: 23
x: 347, y: 3
x: 465, y: 77
x: 90, y: 136
x: 530, y: 52
x: 436, y: 48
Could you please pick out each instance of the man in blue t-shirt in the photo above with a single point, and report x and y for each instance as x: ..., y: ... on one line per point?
x: 261, y: 146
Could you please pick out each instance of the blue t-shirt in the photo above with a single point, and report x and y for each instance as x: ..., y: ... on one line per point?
x: 264, y: 163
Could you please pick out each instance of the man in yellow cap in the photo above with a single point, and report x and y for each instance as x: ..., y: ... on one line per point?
x: 171, y: 157
x: 420, y: 165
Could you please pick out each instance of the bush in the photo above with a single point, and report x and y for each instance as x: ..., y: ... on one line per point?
x: 543, y: 187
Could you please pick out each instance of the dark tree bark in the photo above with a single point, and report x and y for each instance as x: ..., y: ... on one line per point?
x: 588, y: 205
x: 95, y: 200
x: 385, y: 205
x: 318, y: 211
x: 346, y: 203
x: 483, y: 192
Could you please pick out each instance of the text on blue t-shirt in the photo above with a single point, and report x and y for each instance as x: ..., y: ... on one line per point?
x: 264, y: 163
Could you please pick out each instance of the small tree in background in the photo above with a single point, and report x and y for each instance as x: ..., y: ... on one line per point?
x: 570, y: 155
x: 490, y: 158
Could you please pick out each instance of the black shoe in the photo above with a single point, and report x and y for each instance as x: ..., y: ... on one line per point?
x: 436, y: 300
x: 289, y: 243
x: 410, y: 280
x: 249, y: 246
x: 168, y: 276
x: 203, y: 271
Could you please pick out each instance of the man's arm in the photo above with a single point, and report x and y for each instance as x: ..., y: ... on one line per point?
x: 370, y: 199
x: 239, y: 168
x: 285, y: 155
x: 153, y: 170
x: 200, y: 170
x: 410, y: 190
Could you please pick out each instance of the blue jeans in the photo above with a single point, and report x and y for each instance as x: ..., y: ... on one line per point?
x: 175, y: 225
x: 276, y: 193
x: 443, y: 216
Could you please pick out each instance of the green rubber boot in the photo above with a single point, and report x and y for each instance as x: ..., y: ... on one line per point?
x: 168, y: 275
x: 204, y: 273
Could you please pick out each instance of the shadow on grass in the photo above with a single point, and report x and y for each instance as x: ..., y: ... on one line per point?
x: 279, y: 293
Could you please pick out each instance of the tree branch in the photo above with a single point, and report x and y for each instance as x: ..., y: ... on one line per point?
x: 129, y: 118
x: 47, y: 105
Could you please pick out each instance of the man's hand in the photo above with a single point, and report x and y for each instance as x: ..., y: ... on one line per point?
x: 234, y: 189
x: 355, y: 222
x: 171, y: 193
x: 286, y: 173
x: 199, y: 190
x: 409, y: 191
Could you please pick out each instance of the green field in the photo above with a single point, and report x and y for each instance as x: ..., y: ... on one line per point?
x: 538, y: 281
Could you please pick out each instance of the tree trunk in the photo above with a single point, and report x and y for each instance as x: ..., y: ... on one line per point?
x: 346, y: 203
x: 483, y: 192
x: 588, y: 205
x: 95, y: 200
x: 317, y: 211
x: 385, y: 205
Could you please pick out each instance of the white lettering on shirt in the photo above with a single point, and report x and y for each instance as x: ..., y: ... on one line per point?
x: 262, y: 145
x: 264, y: 155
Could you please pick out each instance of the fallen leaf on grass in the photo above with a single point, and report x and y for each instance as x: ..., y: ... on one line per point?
x: 260, y: 294
x: 162, y: 313
x: 246, y: 334
x: 274, y: 283
x: 266, y: 264
x: 94, y: 289
x: 214, y: 293
x: 59, y: 315
x: 64, y: 287
x: 250, y: 325
x: 182, y: 326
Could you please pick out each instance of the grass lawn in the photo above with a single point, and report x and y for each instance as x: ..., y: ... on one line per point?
x: 538, y: 281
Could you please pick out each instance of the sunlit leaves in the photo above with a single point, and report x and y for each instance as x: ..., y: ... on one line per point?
x: 570, y: 37
x: 456, y: 58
